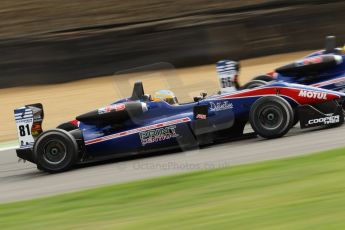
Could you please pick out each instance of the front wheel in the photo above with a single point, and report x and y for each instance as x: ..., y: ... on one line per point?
x: 55, y: 151
x: 271, y: 117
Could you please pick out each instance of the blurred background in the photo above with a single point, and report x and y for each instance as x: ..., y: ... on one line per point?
x: 59, y: 40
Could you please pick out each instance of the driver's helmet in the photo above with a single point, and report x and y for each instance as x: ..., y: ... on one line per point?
x: 165, y: 95
x: 343, y: 49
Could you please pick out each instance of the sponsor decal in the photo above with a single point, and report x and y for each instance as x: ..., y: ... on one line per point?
x: 309, y: 61
x: 157, y: 135
x: 313, y: 94
x: 110, y: 108
x: 325, y: 120
x: 137, y: 130
x: 201, y: 116
x: 37, y: 118
x: 220, y: 106
x: 226, y: 68
x: 25, y: 121
x: 21, y: 114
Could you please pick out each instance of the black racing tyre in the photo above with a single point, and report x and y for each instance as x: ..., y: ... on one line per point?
x: 68, y: 126
x: 55, y: 151
x: 265, y: 78
x: 253, y: 84
x: 271, y: 117
x: 295, y: 118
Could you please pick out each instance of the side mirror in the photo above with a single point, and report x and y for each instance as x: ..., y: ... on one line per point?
x: 203, y: 94
x: 197, y: 99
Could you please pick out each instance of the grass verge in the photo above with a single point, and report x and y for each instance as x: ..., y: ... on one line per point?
x: 8, y: 144
x: 299, y: 193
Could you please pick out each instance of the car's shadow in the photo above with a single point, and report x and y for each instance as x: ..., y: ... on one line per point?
x: 160, y: 153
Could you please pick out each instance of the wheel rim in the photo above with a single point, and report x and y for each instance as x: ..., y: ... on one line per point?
x: 54, y: 152
x: 270, y: 117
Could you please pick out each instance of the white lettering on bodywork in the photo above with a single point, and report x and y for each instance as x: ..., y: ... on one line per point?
x: 313, y: 94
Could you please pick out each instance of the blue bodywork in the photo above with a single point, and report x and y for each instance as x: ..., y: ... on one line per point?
x: 332, y: 78
x: 139, y: 124
x: 178, y: 118
x: 164, y: 126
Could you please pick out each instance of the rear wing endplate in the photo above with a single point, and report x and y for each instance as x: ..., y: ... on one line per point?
x: 29, y: 124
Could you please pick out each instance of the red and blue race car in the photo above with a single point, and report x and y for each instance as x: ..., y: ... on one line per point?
x: 140, y: 123
x: 324, y: 69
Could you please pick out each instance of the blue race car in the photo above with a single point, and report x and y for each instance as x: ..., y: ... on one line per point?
x: 324, y: 69
x: 142, y: 123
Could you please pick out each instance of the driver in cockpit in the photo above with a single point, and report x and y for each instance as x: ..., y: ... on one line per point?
x: 165, y: 95
x: 228, y: 78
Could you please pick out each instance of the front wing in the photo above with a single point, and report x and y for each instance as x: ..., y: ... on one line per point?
x: 328, y: 113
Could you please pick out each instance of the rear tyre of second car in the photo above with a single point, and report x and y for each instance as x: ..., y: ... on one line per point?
x: 254, y: 84
x: 271, y: 117
x: 55, y: 151
x: 265, y: 78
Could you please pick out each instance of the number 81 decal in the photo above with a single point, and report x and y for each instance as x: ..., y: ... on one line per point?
x: 24, y: 121
x: 24, y: 130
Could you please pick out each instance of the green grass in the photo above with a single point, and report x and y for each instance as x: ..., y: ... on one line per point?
x: 7, y: 144
x: 298, y: 193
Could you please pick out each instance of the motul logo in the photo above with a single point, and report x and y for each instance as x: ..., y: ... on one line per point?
x: 313, y: 94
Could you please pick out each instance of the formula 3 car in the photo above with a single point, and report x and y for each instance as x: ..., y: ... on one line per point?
x: 324, y: 69
x: 139, y: 124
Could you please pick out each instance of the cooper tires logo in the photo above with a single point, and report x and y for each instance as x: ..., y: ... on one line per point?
x: 325, y: 120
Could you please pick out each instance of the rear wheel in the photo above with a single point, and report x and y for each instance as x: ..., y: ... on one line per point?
x: 271, y: 117
x: 254, y: 84
x: 265, y: 78
x: 55, y: 151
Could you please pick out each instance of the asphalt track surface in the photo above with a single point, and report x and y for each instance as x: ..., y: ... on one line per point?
x: 20, y: 181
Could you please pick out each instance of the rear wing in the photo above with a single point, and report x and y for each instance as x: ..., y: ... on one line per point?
x: 29, y: 124
x: 228, y: 72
